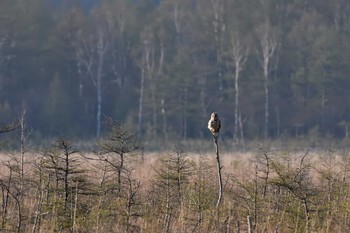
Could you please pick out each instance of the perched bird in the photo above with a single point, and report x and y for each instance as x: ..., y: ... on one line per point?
x: 214, y: 125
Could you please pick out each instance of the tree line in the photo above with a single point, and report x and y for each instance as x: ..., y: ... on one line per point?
x: 270, y: 68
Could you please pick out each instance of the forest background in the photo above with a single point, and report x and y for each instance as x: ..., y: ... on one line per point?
x: 100, y: 71
x: 271, y: 69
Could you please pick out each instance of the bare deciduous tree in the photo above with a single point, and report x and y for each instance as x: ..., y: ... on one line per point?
x: 239, y: 53
x: 92, y: 48
x: 268, y: 41
x: 9, y: 127
x: 151, y: 65
x: 148, y: 68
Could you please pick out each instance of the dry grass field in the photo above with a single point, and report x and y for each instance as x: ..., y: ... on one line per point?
x: 61, y: 190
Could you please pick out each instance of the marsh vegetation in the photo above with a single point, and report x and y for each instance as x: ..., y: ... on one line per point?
x: 118, y: 187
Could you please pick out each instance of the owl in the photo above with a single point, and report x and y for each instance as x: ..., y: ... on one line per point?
x: 214, y: 124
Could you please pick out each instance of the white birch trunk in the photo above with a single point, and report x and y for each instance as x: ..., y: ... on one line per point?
x: 90, y: 54
x: 239, y: 56
x: 150, y: 65
x: 152, y: 69
x: 162, y: 102
x: 101, y: 49
x: 142, y: 87
x: 268, y: 43
x: 266, y: 89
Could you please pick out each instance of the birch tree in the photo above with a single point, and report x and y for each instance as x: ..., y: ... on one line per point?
x: 239, y: 54
x: 268, y: 40
x: 92, y: 50
x: 141, y: 97
x: 148, y: 70
x: 151, y: 62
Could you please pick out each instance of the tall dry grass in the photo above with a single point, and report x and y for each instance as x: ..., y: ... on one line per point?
x: 154, y: 199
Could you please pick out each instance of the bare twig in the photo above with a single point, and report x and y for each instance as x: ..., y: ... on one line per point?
x: 9, y: 127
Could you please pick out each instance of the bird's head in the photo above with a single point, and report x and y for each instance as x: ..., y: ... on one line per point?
x: 214, y: 116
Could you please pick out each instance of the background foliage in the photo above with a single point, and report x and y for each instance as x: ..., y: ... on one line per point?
x: 163, y: 66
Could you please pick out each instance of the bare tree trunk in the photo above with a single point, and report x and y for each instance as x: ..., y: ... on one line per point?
x: 278, y: 121
x: 22, y: 144
x: 22, y: 151
x: 149, y: 71
x: 235, y: 134
x: 152, y: 70
x: 142, y: 87
x: 184, y: 119
x: 241, y: 127
x: 164, y: 120
x: 162, y: 102
x: 177, y: 22
x: 99, y: 108
x: 101, y: 49
x: 266, y: 122
x: 239, y: 55
x: 90, y: 53
x: 202, y: 83
x: 268, y: 43
x: 161, y: 58
x: 154, y: 106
